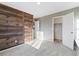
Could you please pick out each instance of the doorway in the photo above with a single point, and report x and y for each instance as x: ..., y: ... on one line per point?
x: 67, y: 29
x: 58, y: 29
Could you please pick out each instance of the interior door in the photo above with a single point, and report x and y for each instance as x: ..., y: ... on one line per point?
x: 68, y: 30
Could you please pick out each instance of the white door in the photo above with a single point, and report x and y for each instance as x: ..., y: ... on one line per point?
x: 68, y: 30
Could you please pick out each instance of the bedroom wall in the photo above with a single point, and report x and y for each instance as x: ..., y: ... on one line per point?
x: 45, y: 27
x: 46, y: 22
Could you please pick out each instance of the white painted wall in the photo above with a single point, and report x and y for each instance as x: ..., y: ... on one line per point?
x: 37, y: 35
x: 37, y: 25
x: 76, y: 29
x: 46, y: 22
x: 57, y: 20
x: 46, y: 27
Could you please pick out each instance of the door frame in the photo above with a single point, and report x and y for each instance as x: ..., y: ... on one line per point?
x: 74, y: 27
x: 53, y: 26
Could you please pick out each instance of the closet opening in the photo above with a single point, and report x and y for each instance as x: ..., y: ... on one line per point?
x: 58, y: 29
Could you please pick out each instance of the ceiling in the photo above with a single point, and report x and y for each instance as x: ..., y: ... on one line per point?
x: 42, y: 9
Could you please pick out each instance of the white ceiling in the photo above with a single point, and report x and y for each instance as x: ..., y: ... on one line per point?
x: 45, y: 8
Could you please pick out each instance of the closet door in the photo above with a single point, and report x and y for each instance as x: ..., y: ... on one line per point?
x: 68, y: 30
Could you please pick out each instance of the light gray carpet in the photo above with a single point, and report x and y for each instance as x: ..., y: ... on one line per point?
x: 47, y: 48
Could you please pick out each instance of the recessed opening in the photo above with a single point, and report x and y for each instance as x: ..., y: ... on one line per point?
x: 58, y: 29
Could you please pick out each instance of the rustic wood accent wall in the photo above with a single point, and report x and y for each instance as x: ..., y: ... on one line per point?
x: 28, y: 20
x: 15, y: 27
